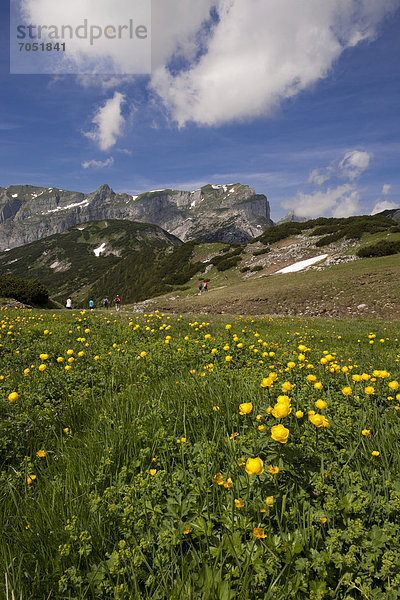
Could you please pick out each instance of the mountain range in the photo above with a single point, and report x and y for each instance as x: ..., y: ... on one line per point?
x: 231, y: 213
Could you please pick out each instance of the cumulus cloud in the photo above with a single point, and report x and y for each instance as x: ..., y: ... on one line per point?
x: 98, y: 164
x: 381, y: 205
x: 386, y: 189
x: 216, y: 61
x: 351, y: 166
x: 261, y: 53
x: 354, y: 163
x: 340, y: 201
x: 108, y: 122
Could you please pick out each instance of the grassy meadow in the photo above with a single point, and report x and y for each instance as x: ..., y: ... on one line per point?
x: 166, y: 457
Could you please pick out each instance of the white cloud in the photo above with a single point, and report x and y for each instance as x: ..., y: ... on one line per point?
x: 261, y: 53
x: 348, y: 206
x: 108, y: 122
x: 381, y: 205
x: 340, y: 201
x: 242, y: 65
x: 386, y: 188
x: 354, y: 163
x: 320, y: 176
x: 98, y: 164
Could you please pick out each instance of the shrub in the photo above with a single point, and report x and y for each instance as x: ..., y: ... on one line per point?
x: 383, y: 248
x: 329, y: 239
x: 28, y: 291
x: 262, y: 251
x: 256, y: 268
x: 229, y: 263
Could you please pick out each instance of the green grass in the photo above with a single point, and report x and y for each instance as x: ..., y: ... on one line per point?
x: 98, y: 522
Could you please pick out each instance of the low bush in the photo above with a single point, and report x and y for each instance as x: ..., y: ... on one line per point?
x: 383, y: 248
x: 28, y: 291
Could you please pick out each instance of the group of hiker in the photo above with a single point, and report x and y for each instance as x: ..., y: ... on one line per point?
x: 203, y: 286
x: 106, y: 303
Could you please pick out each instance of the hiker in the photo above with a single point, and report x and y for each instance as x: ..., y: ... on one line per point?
x: 91, y: 304
x: 205, y: 286
x: 200, y: 287
x: 106, y: 303
x: 117, y: 302
x: 69, y: 303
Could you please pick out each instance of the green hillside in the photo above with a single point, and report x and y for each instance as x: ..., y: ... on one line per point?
x: 67, y: 263
x: 141, y: 261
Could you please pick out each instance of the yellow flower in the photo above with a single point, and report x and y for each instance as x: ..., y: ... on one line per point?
x: 41, y: 453
x: 269, y: 501
x: 228, y: 358
x: 323, y: 520
x: 369, y: 390
x: 81, y: 353
x: 281, y: 410
x: 43, y: 356
x: 356, y: 377
x: 259, y: 533
x: 97, y: 357
x: 69, y: 352
x: 214, y: 351
x: 311, y: 378
x: 254, y: 466
x: 394, y: 385
x: 347, y: 391
x: 60, y: 359
x: 218, y: 478
x: 67, y: 367
x: 30, y: 479
x: 245, y: 408
x: 153, y: 471
x: 279, y: 433
x: 26, y: 371
x: 66, y: 430
x: 228, y: 484
x: 273, y: 470
x: 42, y: 367
x: 261, y: 428
x: 321, y: 404
x: 375, y: 453
x: 228, y: 326
x: 316, y: 420
x: 287, y: 386
x: 13, y: 396
x: 239, y: 503
x: 291, y: 364
x: 187, y: 531
x: 299, y: 414
x: 318, y: 385
x: 216, y: 408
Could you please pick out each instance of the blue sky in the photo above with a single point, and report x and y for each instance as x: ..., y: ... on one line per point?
x: 323, y: 141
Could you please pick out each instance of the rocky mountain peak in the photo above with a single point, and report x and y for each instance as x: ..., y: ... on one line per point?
x: 231, y: 213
